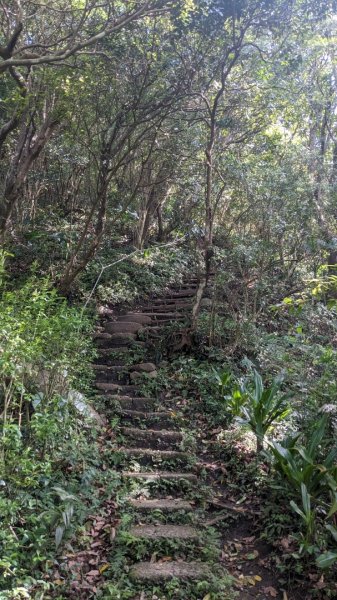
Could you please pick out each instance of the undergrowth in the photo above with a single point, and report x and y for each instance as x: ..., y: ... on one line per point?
x: 50, y: 459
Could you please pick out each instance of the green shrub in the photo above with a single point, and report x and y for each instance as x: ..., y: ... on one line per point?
x: 252, y: 403
x: 264, y: 406
x: 45, y: 349
x: 131, y: 275
x: 311, y: 463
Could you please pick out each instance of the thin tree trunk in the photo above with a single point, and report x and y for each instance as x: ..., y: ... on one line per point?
x: 74, y: 268
x: 208, y: 238
x: 26, y: 154
x: 161, y: 234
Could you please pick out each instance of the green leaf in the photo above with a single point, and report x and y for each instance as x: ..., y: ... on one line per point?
x: 63, y: 494
x: 297, y: 509
x: 305, y: 499
x: 332, y: 530
x: 326, y: 560
x: 59, y: 532
x: 302, y: 451
x: 333, y: 508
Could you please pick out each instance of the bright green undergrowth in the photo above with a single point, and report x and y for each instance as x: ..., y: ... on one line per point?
x: 48, y: 451
x: 137, y: 274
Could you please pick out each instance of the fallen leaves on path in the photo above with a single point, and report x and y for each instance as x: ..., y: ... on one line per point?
x: 87, y: 566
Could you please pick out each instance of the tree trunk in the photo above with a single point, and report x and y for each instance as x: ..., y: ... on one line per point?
x: 76, y: 265
x: 27, y: 152
x: 208, y: 237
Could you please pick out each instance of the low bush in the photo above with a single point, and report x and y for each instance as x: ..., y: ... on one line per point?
x: 47, y: 455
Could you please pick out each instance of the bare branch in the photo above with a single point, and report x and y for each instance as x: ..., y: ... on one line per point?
x: 110, y: 27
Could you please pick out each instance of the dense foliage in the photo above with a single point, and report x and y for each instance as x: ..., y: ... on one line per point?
x: 141, y: 142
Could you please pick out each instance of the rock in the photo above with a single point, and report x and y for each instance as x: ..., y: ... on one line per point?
x: 122, y: 327
x: 82, y: 406
x: 58, y: 382
x: 102, y: 336
x: 206, y: 302
x: 135, y: 375
x: 147, y: 367
x: 153, y: 374
x: 104, y: 311
x: 125, y: 339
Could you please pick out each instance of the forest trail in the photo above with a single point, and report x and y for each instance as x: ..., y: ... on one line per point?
x: 165, y: 529
x: 163, y: 483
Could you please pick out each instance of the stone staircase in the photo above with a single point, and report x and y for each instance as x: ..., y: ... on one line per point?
x: 157, y: 470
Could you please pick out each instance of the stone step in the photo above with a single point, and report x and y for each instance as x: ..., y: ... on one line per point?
x: 134, y: 403
x: 155, y: 532
x: 157, y: 420
x: 161, y: 571
x: 188, y: 292
x: 116, y: 387
x: 109, y: 368
x: 122, y: 327
x: 152, y: 438
x: 160, y: 322
x: 168, y: 308
x: 169, y: 301
x: 102, y: 335
x: 116, y: 340
x: 163, y: 504
x: 141, y: 414
x: 153, y: 329
x: 165, y: 315
x: 154, y: 308
x: 164, y: 433
x: 108, y: 351
x: 113, y: 370
x: 147, y: 455
x: 160, y: 475
x: 144, y: 367
x: 106, y: 360
x: 118, y: 378
x: 135, y: 318
x: 168, y: 304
